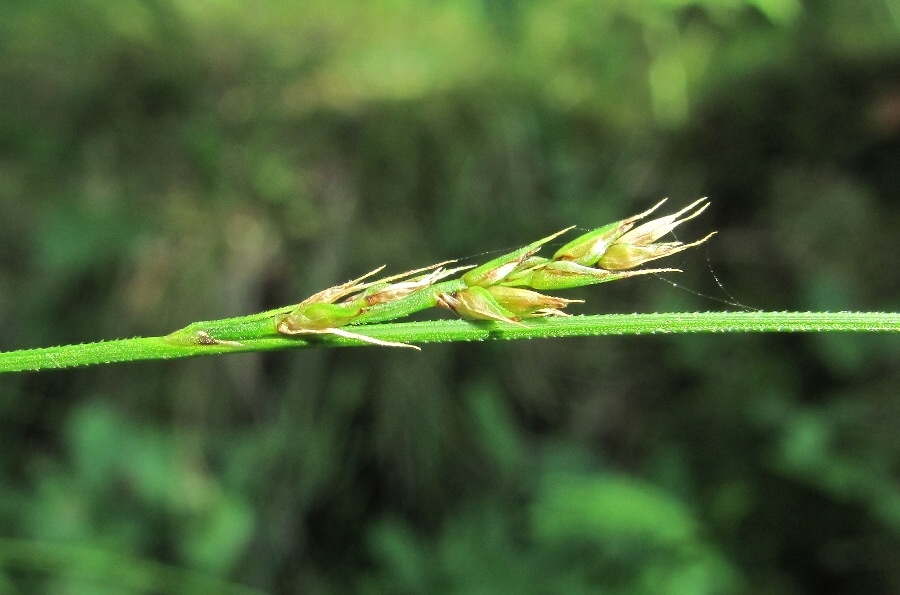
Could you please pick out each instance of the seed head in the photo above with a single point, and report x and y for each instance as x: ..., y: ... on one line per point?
x: 495, y: 291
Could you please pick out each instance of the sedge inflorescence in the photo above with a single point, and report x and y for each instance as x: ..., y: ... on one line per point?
x: 504, y: 289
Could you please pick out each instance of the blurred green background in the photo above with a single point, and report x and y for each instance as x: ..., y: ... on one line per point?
x: 166, y: 161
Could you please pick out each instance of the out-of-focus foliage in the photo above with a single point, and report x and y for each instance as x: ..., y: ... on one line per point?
x: 165, y: 161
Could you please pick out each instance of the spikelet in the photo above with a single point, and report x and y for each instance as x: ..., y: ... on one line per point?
x: 603, y: 254
x: 319, y: 315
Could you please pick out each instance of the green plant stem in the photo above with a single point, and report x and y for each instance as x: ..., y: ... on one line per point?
x: 255, y: 333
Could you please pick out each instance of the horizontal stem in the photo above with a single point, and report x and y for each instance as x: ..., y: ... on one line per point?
x: 102, y: 352
x: 443, y: 331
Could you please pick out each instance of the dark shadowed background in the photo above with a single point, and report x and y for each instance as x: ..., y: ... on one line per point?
x: 166, y: 161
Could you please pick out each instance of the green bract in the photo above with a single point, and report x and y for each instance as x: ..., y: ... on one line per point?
x: 496, y: 270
